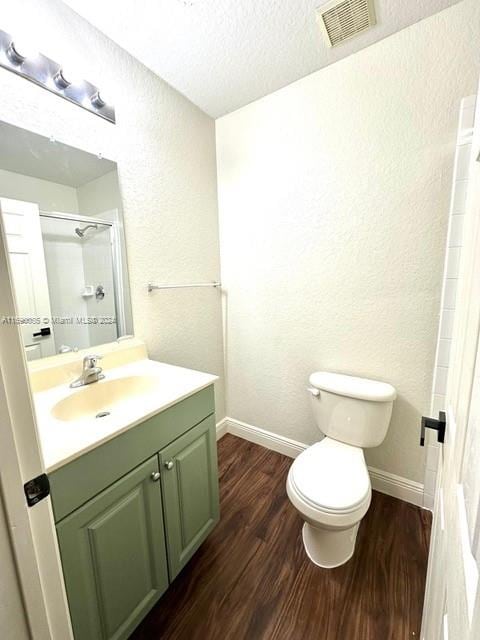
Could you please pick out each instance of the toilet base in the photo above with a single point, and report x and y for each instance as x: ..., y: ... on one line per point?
x: 329, y: 548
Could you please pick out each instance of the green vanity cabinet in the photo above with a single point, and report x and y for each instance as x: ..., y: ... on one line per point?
x: 113, y: 556
x: 190, y: 492
x: 131, y: 513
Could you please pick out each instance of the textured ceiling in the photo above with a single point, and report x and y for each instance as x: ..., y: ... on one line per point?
x: 223, y: 54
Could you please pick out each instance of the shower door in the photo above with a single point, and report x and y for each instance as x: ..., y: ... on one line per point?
x: 81, y: 279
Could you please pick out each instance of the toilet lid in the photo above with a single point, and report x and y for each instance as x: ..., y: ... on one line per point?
x: 331, y: 475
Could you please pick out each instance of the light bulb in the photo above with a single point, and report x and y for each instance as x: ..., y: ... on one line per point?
x: 60, y: 81
x: 97, y: 100
x: 19, y: 51
x: 70, y: 76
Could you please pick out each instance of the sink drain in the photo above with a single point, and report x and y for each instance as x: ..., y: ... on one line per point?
x: 102, y: 414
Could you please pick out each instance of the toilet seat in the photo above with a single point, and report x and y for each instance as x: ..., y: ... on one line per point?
x: 329, y: 483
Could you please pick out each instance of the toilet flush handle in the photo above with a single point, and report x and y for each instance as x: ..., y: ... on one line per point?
x: 315, y: 392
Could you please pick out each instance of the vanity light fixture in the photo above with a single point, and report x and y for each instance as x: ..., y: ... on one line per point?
x: 97, y: 100
x: 60, y: 80
x: 14, y: 55
x: 50, y: 75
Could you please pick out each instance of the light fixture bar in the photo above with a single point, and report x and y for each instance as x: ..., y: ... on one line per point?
x: 50, y: 75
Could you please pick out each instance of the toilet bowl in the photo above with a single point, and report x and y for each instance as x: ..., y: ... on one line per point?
x: 330, y: 487
x: 328, y: 483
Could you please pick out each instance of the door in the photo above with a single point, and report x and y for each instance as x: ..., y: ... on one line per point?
x: 113, y: 555
x: 27, y: 263
x: 452, y: 599
x: 13, y: 623
x: 190, y: 492
x: 33, y: 537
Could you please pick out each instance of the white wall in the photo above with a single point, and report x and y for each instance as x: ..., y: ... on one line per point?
x: 333, y: 197
x: 99, y: 195
x: 165, y: 149
x: 50, y: 196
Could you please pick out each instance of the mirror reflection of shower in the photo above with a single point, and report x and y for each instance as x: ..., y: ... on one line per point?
x: 81, y: 231
x: 82, y: 272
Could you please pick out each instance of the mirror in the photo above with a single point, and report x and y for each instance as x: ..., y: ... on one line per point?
x: 62, y: 217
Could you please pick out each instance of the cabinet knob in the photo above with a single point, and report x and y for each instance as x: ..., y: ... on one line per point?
x: 155, y: 476
x: 168, y: 465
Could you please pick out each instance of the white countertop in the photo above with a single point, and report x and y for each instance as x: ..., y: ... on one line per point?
x: 62, y: 441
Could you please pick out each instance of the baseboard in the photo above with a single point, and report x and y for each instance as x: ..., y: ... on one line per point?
x: 265, y: 438
x: 222, y: 428
x: 396, y: 486
x: 382, y: 481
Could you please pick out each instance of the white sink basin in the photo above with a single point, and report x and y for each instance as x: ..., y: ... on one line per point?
x: 106, y: 396
x: 131, y: 393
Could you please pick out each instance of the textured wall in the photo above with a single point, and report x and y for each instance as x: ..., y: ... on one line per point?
x: 333, y: 196
x: 165, y: 149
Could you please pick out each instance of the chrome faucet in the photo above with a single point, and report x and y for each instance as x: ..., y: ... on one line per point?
x: 90, y: 373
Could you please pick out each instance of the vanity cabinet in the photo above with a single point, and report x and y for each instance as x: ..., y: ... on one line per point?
x: 190, y: 493
x: 113, y: 555
x: 133, y: 523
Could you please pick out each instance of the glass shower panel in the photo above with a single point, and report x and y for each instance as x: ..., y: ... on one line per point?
x: 81, y: 282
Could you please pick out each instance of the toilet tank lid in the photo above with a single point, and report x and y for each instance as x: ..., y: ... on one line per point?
x: 353, y: 387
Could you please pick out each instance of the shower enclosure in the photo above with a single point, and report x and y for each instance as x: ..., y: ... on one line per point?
x: 82, y: 259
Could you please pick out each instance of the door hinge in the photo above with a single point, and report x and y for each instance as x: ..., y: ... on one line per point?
x: 439, y: 426
x: 37, y: 489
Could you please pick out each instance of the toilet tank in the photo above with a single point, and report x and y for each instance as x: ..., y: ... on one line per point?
x: 353, y: 410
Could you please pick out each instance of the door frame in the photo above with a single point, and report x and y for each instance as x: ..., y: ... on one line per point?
x: 32, y: 529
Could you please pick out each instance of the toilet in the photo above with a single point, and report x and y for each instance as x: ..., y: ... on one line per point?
x: 329, y: 483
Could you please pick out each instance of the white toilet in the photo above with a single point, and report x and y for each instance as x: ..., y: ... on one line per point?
x: 329, y: 483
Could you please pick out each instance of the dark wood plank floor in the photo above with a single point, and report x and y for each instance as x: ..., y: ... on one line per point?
x: 252, y: 580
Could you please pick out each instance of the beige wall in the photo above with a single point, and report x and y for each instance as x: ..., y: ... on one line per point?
x: 165, y: 149
x: 333, y: 196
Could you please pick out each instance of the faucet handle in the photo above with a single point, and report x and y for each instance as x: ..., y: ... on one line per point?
x: 91, y: 360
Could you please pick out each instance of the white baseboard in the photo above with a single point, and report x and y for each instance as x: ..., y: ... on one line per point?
x: 396, y: 486
x: 273, y: 441
x: 222, y: 428
x: 382, y: 481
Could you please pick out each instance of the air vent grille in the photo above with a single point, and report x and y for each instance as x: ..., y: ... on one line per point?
x: 342, y: 20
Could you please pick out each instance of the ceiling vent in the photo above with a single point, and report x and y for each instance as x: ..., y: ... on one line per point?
x: 341, y: 20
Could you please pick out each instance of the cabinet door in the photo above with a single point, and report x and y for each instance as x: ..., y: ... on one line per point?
x: 190, y: 492
x: 113, y: 556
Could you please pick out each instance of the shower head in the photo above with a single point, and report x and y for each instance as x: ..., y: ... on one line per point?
x: 81, y: 231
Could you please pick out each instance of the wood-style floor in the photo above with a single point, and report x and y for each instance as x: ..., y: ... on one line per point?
x: 252, y: 580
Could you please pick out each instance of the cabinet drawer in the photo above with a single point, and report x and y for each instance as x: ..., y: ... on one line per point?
x: 78, y: 481
x: 114, y: 557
